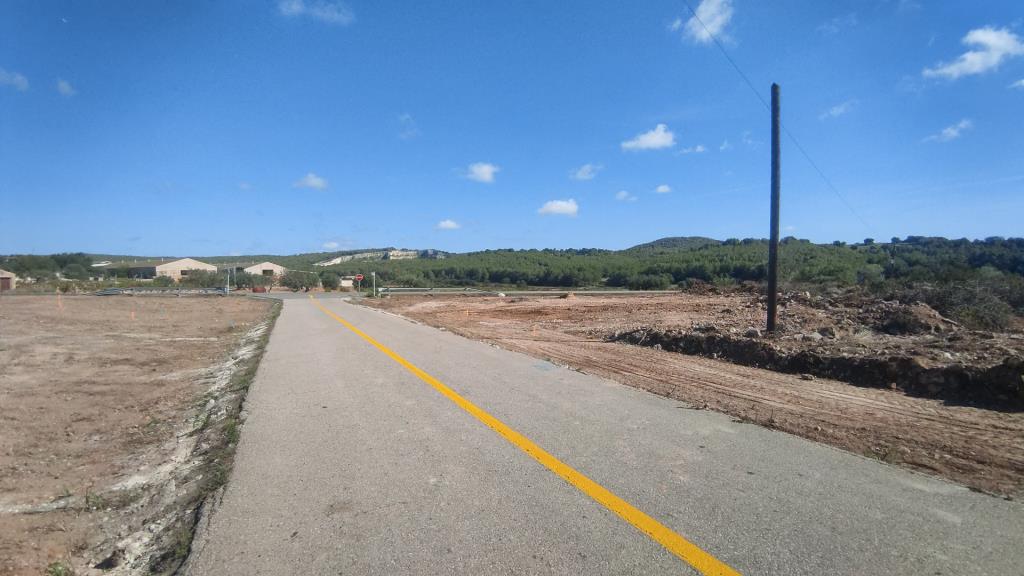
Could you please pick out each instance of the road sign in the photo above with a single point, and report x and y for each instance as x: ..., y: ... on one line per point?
x: 359, y: 277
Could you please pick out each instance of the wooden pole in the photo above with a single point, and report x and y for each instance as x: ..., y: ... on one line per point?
x: 773, y: 242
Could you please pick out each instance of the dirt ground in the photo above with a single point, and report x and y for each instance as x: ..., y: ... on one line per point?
x: 978, y: 447
x: 95, y: 398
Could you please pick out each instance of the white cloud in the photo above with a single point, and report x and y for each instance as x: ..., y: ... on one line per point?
x: 13, y: 79
x: 663, y: 189
x: 448, y: 225
x: 950, y: 133
x: 991, y: 47
x: 1019, y: 84
x: 660, y: 137
x: 698, y: 149
x: 65, y: 88
x: 624, y: 196
x: 838, y: 110
x: 330, y: 245
x: 482, y: 171
x: 710, y: 21
x: 563, y: 207
x: 725, y: 145
x: 407, y: 127
x: 331, y: 12
x: 585, y: 172
x: 311, y: 181
x: 837, y: 24
x: 676, y: 25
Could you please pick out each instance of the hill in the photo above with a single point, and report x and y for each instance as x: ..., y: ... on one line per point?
x: 675, y: 243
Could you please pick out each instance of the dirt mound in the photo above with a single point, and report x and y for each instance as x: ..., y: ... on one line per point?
x: 918, y: 318
x: 999, y: 387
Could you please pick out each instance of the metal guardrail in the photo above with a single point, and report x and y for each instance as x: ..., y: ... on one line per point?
x: 134, y: 291
x: 399, y: 290
x: 478, y: 292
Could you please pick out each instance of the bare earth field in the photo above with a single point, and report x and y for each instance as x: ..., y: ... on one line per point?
x: 98, y: 396
x: 947, y: 434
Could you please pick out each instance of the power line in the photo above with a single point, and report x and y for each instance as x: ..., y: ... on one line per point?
x: 803, y: 152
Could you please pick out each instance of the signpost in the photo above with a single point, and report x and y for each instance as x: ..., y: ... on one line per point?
x: 359, y: 281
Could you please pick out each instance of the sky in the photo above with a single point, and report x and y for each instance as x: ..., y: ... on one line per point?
x: 249, y: 127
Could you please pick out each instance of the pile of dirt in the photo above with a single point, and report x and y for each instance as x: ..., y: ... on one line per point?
x: 999, y: 387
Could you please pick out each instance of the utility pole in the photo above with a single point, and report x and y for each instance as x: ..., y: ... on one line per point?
x: 374, y: 276
x: 773, y: 241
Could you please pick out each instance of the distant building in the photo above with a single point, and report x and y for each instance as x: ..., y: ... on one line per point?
x: 173, y: 269
x: 178, y: 268
x: 8, y: 281
x: 266, y: 269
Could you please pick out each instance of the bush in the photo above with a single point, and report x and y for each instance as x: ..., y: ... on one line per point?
x: 972, y: 304
x: 204, y: 279
x: 300, y: 280
x: 330, y: 280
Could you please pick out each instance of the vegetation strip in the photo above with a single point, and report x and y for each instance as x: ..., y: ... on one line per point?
x: 671, y: 541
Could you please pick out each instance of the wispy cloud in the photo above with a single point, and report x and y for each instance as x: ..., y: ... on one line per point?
x: 838, y: 110
x: 13, y: 79
x: 725, y: 145
x: 311, y: 180
x: 407, y: 128
x: 660, y: 137
x: 585, y: 172
x: 663, y: 189
x: 65, y: 88
x: 837, y: 24
x: 560, y: 207
x: 991, y: 46
x: 624, y: 196
x: 710, y: 21
x: 1019, y: 84
x: 950, y: 133
x: 322, y: 10
x: 482, y: 172
x: 698, y: 149
x: 448, y: 225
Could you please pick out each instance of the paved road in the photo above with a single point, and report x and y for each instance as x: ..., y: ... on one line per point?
x: 351, y: 464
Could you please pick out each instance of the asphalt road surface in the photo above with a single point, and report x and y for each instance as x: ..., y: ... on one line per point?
x: 432, y: 454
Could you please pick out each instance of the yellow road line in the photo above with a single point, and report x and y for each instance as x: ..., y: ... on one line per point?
x: 674, y: 543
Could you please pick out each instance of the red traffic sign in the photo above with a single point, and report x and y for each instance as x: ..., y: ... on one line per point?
x: 359, y: 277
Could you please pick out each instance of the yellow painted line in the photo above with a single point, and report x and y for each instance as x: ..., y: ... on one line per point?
x: 704, y: 563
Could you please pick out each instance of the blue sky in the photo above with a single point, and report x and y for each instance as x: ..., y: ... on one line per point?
x: 278, y: 127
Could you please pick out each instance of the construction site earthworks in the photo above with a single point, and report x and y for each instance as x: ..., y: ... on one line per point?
x: 891, y: 381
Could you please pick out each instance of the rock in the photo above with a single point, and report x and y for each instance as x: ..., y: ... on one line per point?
x: 752, y: 333
x: 812, y: 337
x: 827, y: 332
x: 807, y: 376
